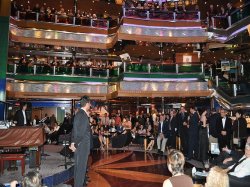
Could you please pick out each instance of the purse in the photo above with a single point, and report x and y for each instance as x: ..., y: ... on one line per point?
x: 238, y: 141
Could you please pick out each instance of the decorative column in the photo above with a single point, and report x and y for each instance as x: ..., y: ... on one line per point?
x: 4, y: 38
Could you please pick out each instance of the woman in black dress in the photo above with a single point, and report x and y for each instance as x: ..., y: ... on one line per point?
x: 203, y: 137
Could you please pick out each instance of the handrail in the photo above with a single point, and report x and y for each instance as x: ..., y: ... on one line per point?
x: 99, y: 71
x: 161, y: 14
x: 224, y: 22
x: 72, y: 20
x: 87, y: 70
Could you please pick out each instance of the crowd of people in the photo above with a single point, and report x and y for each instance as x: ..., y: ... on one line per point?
x: 48, y: 14
x: 159, y: 6
x: 81, y: 66
x: 197, y: 130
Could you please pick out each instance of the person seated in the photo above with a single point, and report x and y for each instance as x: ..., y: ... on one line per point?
x: 242, y: 167
x: 151, y: 138
x: 126, y: 123
x: 31, y: 179
x: 54, y: 135
x: 175, y: 163
x: 119, y: 129
x: 217, y: 177
x: 228, y: 157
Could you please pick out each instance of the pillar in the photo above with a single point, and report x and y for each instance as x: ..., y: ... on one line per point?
x: 4, y: 38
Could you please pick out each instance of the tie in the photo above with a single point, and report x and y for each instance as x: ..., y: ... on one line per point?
x: 170, y: 123
x: 235, y: 165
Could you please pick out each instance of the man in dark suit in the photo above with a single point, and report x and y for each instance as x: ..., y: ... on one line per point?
x: 182, y: 120
x: 193, y: 133
x: 172, y: 129
x: 80, y: 142
x: 21, y: 117
x: 162, y: 135
x: 224, y: 125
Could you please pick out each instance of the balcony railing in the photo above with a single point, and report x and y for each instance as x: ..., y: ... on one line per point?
x: 151, y: 68
x: 86, y: 71
x: 72, y: 20
x: 161, y: 15
x: 224, y: 22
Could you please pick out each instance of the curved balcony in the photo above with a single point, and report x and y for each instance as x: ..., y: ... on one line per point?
x: 163, y: 16
x: 61, y: 38
x: 58, y: 73
x: 225, y: 28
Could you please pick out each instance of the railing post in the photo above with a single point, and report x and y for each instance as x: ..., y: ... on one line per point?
x: 74, y: 20
x: 90, y: 72
x: 55, y: 18
x: 202, y: 68
x: 235, y: 90
x: 213, y: 23
x: 15, y: 67
x: 177, y: 68
x: 54, y: 70
x: 174, y: 16
x: 91, y: 22
x: 18, y: 14
x: 34, y: 70
x: 107, y: 72
x: 37, y: 16
x: 229, y: 21
x: 124, y: 66
x: 147, y: 14
x: 124, y: 12
x: 217, y: 80
x: 199, y: 15
x: 211, y: 72
x: 72, y: 70
x: 118, y: 71
x: 149, y: 68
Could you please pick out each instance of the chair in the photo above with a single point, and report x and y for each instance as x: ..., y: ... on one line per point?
x: 239, y: 182
x: 12, y: 157
x: 119, y: 141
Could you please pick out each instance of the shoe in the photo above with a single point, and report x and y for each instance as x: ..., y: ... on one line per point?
x: 159, y: 151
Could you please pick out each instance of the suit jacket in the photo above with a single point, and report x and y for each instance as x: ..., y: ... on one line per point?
x: 172, y: 125
x: 193, y: 123
x: 213, y: 129
x: 81, y: 130
x: 20, y: 119
x: 227, y: 127
x: 181, y: 118
x: 164, y: 129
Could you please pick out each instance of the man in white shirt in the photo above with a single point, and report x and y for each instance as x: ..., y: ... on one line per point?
x: 242, y: 167
x: 162, y: 138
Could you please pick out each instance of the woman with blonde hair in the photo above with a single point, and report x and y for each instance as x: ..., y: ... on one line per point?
x: 217, y: 177
x: 175, y: 162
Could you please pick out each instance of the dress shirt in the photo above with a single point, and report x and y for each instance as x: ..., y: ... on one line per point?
x: 24, y: 117
x: 243, y: 169
x: 161, y: 126
x: 223, y: 122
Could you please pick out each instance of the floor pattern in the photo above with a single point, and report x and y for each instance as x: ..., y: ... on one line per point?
x: 129, y: 168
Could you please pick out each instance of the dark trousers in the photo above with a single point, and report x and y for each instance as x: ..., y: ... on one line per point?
x: 81, y: 161
x: 224, y: 141
x: 219, y: 160
x: 184, y: 140
x: 193, y: 145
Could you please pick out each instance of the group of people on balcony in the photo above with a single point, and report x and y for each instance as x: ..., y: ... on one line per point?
x: 46, y: 65
x: 221, y: 12
x: 63, y: 16
x: 159, y: 6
